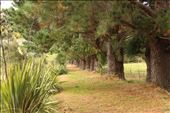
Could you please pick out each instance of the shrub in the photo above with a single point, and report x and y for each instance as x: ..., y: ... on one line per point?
x: 61, y: 69
x: 27, y: 89
x: 61, y: 59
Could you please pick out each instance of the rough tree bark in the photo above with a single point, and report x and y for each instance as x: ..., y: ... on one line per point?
x: 148, y: 64
x: 92, y: 63
x: 160, y: 63
x: 115, y: 63
x: 110, y: 58
x: 80, y: 66
x: 83, y: 64
x: 96, y: 64
x: 119, y: 67
x: 88, y: 63
x: 78, y: 63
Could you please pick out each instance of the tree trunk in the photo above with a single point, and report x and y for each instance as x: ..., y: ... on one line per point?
x: 77, y: 63
x: 160, y: 62
x: 88, y: 63
x: 83, y: 64
x: 119, y: 67
x: 148, y: 64
x: 92, y: 63
x: 110, y: 58
x: 96, y: 64
x: 72, y: 61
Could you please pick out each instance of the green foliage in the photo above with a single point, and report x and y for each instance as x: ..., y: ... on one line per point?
x: 43, y: 41
x: 133, y: 59
x: 61, y: 60
x: 81, y: 48
x: 61, y: 69
x: 163, y: 20
x: 135, y: 46
x: 27, y: 89
x: 72, y: 29
x: 24, y: 19
x: 102, y: 28
x: 10, y: 41
x: 101, y: 62
x: 142, y: 22
x: 78, y: 15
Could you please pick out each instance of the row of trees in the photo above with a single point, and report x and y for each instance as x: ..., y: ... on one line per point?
x: 92, y: 33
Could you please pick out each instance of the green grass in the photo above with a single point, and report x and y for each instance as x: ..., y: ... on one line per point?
x: 135, y: 67
x: 89, y: 92
x: 135, y: 71
x: 85, y: 84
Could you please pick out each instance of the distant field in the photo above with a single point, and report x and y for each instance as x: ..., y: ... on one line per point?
x: 135, y: 71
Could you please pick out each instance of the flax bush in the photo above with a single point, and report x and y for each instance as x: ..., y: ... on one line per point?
x: 28, y: 89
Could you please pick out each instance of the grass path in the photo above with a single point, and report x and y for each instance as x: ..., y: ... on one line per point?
x: 88, y: 92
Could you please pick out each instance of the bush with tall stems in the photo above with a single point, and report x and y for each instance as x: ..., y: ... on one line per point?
x: 28, y: 89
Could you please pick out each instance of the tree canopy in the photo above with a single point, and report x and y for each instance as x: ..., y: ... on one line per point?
x: 91, y: 32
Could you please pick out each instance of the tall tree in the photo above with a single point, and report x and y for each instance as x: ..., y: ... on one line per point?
x: 152, y: 21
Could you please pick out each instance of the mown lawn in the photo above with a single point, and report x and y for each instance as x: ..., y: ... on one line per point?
x: 135, y: 71
x: 89, y: 92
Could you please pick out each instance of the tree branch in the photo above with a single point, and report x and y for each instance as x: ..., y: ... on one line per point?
x: 128, y: 24
x: 148, y: 10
